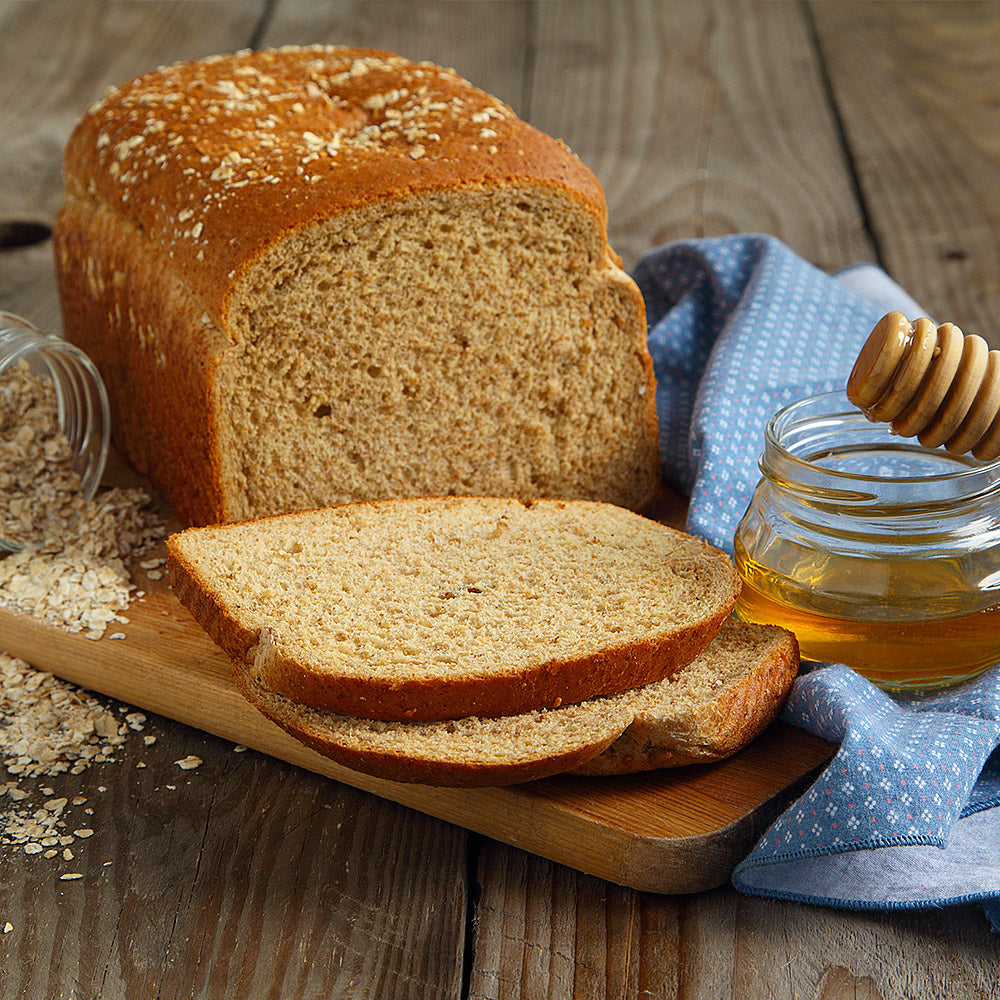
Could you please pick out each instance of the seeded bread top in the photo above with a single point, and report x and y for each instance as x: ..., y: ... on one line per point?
x: 217, y: 159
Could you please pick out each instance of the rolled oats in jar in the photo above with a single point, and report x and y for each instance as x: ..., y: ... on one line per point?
x: 54, y: 433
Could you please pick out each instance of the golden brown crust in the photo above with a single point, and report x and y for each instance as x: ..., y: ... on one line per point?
x: 218, y: 159
x: 137, y: 321
x: 719, y: 728
x: 400, y: 766
x: 713, y: 722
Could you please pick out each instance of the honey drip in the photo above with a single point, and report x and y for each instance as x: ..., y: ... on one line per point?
x: 933, y: 383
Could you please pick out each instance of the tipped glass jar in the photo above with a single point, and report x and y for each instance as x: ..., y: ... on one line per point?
x: 54, y: 432
x: 875, y: 551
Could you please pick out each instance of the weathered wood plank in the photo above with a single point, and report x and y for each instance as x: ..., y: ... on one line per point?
x: 917, y: 86
x: 543, y: 931
x: 242, y: 877
x: 788, y: 950
x: 486, y: 41
x: 699, y: 120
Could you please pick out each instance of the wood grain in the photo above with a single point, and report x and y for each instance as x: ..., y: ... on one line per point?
x: 695, y: 126
x: 851, y: 130
x: 927, y: 151
x: 241, y: 876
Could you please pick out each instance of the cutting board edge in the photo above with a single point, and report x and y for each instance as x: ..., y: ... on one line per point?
x: 738, y: 839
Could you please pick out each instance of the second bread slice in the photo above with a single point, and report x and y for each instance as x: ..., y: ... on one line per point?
x: 705, y: 712
x: 445, y: 608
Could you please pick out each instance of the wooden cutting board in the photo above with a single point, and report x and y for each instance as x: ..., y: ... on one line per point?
x: 670, y: 831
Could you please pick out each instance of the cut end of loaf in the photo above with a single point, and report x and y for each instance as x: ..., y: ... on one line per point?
x: 334, y: 274
x: 473, y: 342
x: 453, y: 607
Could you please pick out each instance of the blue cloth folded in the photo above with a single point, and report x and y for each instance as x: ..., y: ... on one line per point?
x: 907, y: 814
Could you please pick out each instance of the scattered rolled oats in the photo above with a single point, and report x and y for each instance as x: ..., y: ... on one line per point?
x: 189, y: 763
x: 47, y: 725
x: 48, y: 728
x: 74, y: 569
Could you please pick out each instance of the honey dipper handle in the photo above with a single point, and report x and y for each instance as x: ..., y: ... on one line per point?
x: 930, y: 382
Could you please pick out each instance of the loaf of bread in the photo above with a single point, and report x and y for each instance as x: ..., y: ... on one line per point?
x: 318, y: 275
x: 440, y: 609
x: 705, y: 712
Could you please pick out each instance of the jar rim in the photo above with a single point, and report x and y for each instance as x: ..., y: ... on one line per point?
x: 833, y: 408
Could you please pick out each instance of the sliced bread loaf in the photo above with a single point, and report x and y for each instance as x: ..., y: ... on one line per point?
x: 706, y: 711
x: 317, y: 275
x: 437, y: 609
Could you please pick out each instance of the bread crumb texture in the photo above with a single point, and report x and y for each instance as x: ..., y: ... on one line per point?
x: 411, y: 608
x: 335, y: 275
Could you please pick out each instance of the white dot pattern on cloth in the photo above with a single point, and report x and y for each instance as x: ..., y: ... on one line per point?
x: 902, y: 773
x: 738, y: 327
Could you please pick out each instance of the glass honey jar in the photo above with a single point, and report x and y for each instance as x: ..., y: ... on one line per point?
x: 877, y: 552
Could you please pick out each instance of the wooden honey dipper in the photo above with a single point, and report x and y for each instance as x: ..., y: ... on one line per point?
x: 933, y: 383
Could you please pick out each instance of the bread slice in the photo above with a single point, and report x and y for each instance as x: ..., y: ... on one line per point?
x: 437, y: 609
x: 705, y: 712
x: 318, y: 275
x: 713, y: 707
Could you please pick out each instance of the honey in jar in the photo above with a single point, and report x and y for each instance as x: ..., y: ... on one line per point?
x: 876, y: 551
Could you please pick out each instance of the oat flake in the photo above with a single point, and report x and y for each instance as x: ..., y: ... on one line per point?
x: 74, y: 569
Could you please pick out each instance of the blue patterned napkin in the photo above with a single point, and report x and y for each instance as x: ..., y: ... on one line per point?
x: 908, y: 812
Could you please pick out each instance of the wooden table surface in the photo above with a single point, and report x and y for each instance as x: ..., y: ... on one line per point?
x: 852, y: 131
